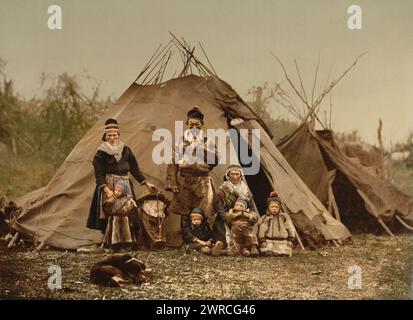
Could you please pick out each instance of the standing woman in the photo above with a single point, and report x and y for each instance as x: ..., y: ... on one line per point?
x: 112, y: 162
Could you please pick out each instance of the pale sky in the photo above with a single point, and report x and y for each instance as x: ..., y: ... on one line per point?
x: 112, y: 40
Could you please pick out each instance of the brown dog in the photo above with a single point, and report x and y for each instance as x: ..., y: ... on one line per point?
x: 117, y: 270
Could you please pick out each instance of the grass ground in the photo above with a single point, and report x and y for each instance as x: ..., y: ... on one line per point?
x: 321, y: 274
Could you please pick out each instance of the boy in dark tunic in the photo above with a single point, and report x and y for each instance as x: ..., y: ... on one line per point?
x: 112, y: 162
x: 196, y: 232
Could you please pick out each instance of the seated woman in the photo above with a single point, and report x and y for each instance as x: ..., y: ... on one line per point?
x: 233, y: 188
x: 112, y: 163
x: 276, y: 231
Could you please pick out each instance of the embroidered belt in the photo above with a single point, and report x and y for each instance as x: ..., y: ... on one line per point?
x: 117, y: 176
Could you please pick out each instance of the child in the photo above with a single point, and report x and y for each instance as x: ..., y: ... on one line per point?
x: 276, y: 231
x: 121, y: 204
x: 196, y: 232
x: 241, y: 221
x: 118, y: 232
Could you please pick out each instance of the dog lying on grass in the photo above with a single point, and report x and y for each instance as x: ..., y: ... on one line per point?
x: 118, y: 270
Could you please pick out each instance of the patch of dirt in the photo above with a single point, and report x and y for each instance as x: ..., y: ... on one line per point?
x: 322, y: 274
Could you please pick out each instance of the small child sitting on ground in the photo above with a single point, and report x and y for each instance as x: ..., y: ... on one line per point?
x: 276, y: 231
x: 241, y: 222
x: 196, y: 232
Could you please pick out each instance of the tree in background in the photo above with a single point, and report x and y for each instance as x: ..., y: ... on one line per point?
x: 65, y: 114
x: 37, y: 135
x: 263, y: 99
x: 10, y: 115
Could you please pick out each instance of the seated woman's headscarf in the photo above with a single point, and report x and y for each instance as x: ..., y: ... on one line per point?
x: 241, y: 188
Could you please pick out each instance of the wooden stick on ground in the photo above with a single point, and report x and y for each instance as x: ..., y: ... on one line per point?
x: 40, y: 246
x: 56, y: 260
x: 13, y: 240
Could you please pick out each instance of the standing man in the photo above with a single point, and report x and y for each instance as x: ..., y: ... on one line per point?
x: 188, y: 176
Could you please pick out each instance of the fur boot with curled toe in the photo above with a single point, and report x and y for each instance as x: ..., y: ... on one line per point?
x: 245, y: 252
x: 254, y: 251
x: 206, y: 250
x: 233, y: 250
x: 217, y: 249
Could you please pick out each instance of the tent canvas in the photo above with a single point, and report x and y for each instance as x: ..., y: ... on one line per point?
x: 318, y: 159
x: 56, y: 214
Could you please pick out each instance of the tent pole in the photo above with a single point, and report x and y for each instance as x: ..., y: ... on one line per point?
x: 386, y: 228
x: 372, y: 209
x: 335, y: 242
x: 210, y: 64
x: 334, y: 204
x: 298, y: 238
x: 285, y: 210
x: 330, y: 203
x: 295, y: 230
x: 403, y: 223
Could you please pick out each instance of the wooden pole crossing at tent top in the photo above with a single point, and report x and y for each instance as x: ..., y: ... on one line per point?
x: 155, y: 69
x: 312, y: 105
